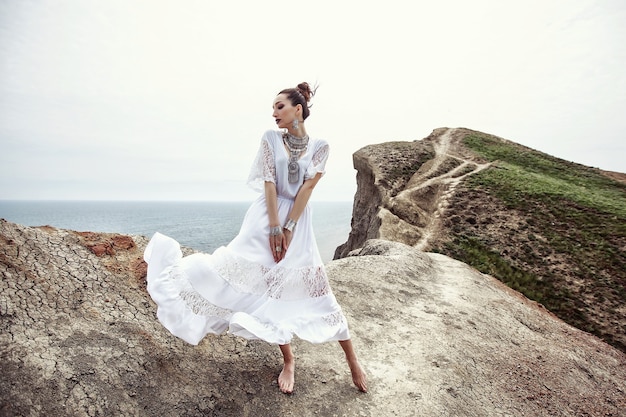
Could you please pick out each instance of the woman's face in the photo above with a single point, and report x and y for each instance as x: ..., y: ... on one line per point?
x: 284, y: 111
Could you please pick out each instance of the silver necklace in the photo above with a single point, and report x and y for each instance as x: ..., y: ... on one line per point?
x: 296, y: 147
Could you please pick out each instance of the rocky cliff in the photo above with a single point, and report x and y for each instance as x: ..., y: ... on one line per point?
x: 79, y: 337
x: 552, y: 229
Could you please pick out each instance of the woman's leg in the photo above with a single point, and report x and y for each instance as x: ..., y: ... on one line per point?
x: 358, y: 375
x: 286, y: 378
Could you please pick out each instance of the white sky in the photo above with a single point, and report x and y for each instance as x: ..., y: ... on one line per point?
x: 167, y: 100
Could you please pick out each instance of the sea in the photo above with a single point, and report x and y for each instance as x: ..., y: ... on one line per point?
x: 203, y: 226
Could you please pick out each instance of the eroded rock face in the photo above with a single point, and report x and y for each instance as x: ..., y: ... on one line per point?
x: 403, y: 188
x: 79, y: 337
x: 383, y: 171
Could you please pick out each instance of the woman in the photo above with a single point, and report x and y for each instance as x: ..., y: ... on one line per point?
x: 269, y: 283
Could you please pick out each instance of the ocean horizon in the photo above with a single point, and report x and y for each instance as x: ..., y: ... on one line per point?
x: 201, y: 225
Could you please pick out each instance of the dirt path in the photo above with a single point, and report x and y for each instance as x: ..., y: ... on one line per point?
x: 445, y: 148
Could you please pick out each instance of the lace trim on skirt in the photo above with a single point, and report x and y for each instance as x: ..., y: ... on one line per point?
x: 277, y: 282
x: 194, y: 301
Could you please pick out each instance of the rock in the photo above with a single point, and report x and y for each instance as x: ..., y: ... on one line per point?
x: 437, y: 338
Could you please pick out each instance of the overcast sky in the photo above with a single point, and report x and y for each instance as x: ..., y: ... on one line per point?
x: 167, y: 100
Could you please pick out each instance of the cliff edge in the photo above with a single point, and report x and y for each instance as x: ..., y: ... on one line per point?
x: 437, y: 338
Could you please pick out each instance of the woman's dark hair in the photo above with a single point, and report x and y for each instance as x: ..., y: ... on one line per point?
x: 302, y: 94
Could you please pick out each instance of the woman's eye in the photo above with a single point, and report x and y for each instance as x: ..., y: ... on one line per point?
x: 280, y: 107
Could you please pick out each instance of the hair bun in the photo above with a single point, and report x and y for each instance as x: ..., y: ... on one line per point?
x: 305, y: 89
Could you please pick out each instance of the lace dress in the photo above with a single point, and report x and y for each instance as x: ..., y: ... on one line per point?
x: 239, y: 288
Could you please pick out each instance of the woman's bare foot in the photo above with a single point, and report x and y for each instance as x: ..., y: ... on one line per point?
x: 359, y: 378
x: 286, y: 379
x: 358, y: 374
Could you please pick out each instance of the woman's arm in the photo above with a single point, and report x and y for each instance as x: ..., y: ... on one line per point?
x: 271, y: 199
x: 275, y: 241
x: 302, y: 198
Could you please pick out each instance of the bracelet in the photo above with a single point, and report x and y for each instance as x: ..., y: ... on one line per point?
x: 290, y: 225
x: 276, y: 230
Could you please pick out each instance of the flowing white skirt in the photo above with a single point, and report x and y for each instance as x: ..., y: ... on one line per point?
x: 239, y: 288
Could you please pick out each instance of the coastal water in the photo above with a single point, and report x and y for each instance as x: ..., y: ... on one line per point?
x: 204, y: 226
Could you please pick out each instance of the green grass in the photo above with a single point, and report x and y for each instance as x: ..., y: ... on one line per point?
x: 521, y: 173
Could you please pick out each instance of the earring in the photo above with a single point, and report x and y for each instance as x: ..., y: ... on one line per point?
x: 295, y: 124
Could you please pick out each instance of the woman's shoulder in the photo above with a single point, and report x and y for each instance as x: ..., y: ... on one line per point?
x: 319, y: 143
x: 272, y: 135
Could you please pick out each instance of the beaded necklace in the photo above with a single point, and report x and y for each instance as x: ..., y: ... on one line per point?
x: 296, y: 147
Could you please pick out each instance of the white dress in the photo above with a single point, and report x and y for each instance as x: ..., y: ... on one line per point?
x: 240, y: 288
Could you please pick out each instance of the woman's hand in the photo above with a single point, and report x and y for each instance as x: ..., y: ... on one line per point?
x: 287, y: 236
x: 277, y: 246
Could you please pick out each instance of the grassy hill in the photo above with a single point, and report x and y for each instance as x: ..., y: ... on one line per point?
x: 551, y: 229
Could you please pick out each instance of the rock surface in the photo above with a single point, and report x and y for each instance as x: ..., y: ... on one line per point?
x: 79, y: 337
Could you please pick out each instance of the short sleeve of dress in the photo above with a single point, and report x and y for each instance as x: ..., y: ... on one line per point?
x: 318, y: 161
x: 264, y: 167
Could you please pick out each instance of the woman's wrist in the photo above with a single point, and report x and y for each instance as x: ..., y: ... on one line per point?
x: 276, y: 230
x: 290, y: 225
